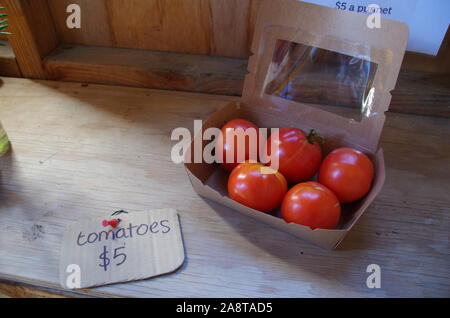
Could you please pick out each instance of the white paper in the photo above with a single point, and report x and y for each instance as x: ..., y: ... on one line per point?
x: 428, y: 20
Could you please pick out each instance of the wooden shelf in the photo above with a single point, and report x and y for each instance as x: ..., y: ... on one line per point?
x: 142, y: 68
x: 214, y: 75
x: 6, y: 51
x: 81, y: 151
x: 8, y: 63
x: 421, y: 93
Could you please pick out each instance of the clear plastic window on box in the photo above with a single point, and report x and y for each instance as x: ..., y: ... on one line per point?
x: 332, y: 81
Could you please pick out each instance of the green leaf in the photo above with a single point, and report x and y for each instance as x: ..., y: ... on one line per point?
x: 3, y: 23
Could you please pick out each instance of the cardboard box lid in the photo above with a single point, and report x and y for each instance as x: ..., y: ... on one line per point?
x: 329, y: 29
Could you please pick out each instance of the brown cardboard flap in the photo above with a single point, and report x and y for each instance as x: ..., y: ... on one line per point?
x: 327, y: 30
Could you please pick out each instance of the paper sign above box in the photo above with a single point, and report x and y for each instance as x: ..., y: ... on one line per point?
x: 427, y: 20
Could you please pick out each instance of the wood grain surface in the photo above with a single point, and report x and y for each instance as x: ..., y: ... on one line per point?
x: 421, y: 93
x: 140, y: 29
x: 32, y: 34
x: 8, y: 63
x: 209, y: 27
x: 10, y: 289
x: 87, y: 150
x: 152, y: 69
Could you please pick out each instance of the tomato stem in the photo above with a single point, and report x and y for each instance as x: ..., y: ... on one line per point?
x: 313, y: 137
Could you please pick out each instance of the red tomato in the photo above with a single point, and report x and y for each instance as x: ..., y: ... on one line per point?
x: 227, y: 147
x: 250, y: 187
x: 299, y: 156
x: 348, y: 173
x: 311, y: 204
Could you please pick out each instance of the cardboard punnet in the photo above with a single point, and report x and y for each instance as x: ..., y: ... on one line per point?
x: 311, y: 26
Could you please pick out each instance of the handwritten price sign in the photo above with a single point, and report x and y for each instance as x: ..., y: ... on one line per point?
x: 145, y: 244
x: 105, y: 260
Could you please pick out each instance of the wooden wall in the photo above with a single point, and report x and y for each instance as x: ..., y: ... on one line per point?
x: 124, y: 42
x: 208, y: 27
x: 222, y: 28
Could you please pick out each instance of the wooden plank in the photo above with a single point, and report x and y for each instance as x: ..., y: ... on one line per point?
x: 22, y: 41
x: 40, y: 24
x: 33, y: 35
x: 82, y: 151
x: 185, y: 72
x: 8, y: 63
x: 175, y: 25
x: 422, y: 93
x: 231, y: 33
x: 9, y: 67
x: 16, y: 290
x: 13, y: 286
x: 6, y: 50
x: 214, y: 75
x: 209, y: 27
x: 95, y: 27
